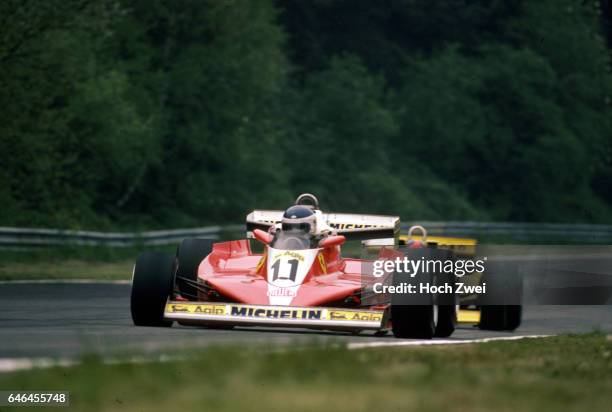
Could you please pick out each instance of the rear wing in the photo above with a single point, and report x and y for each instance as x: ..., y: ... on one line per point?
x: 352, y: 226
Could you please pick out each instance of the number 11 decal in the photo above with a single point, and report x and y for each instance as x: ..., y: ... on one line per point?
x: 292, y: 273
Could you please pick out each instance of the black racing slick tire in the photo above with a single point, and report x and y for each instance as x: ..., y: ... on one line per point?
x: 189, y: 255
x: 501, y: 317
x: 447, y: 321
x: 447, y: 303
x: 152, y: 283
x: 415, y: 315
x: 413, y: 321
x: 502, y: 309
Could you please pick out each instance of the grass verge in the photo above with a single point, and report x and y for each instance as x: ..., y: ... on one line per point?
x: 77, y: 262
x: 560, y: 373
x: 69, y: 269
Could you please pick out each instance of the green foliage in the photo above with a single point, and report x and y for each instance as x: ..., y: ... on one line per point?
x: 170, y: 113
x: 503, y: 123
x: 342, y: 132
x: 214, y: 71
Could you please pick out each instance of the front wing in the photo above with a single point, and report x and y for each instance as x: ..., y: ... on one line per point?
x: 282, y: 316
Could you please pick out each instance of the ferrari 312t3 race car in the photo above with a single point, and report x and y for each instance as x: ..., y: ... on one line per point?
x: 300, y: 280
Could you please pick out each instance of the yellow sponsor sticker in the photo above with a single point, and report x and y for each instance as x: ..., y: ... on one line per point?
x: 291, y: 254
x: 322, y: 263
x: 354, y: 316
x: 272, y: 312
x: 202, y: 308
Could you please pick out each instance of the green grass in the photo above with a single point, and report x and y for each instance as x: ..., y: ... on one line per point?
x: 69, y: 269
x: 78, y: 262
x: 569, y: 373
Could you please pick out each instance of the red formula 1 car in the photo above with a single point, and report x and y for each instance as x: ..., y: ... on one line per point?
x: 300, y: 280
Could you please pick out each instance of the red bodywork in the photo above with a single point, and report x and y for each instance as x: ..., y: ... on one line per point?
x: 238, y: 275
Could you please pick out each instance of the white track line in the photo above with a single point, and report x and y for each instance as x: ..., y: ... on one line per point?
x: 66, y: 281
x: 17, y: 364
x: 363, y: 345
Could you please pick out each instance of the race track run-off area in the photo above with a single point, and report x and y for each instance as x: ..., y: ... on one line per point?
x: 65, y: 320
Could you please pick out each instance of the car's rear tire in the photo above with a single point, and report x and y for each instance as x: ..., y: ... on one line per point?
x: 152, y: 283
x: 189, y: 255
x: 501, y: 317
x: 505, y: 289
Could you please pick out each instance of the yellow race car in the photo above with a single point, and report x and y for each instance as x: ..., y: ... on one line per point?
x: 487, y: 317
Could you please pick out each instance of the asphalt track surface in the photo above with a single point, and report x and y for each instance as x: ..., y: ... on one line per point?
x: 66, y: 320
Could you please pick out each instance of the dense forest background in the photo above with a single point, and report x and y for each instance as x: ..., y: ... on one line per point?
x: 166, y: 113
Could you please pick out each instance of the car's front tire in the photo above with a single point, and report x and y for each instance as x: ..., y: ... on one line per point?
x: 413, y: 321
x: 447, y: 321
x: 415, y: 315
x: 152, y: 283
x: 447, y: 304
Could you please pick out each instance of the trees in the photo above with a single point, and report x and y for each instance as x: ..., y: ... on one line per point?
x: 166, y: 113
x: 211, y: 72
x: 68, y: 127
x: 161, y: 109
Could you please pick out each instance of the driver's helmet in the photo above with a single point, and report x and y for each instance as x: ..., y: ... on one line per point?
x: 299, y: 218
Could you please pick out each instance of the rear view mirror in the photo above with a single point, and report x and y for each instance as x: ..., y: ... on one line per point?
x: 332, y: 241
x: 263, y: 237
